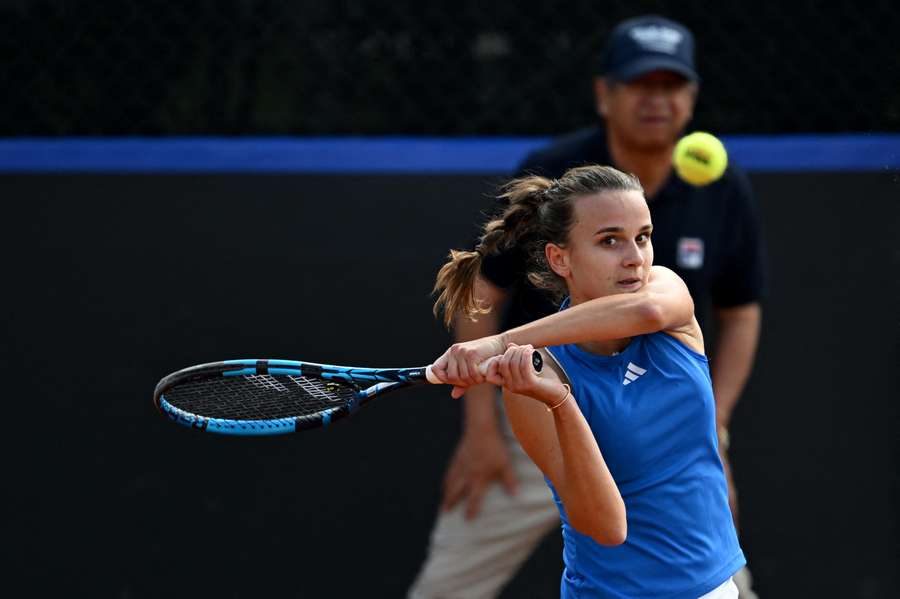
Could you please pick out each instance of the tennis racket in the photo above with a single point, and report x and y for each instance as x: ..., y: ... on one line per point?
x: 274, y: 397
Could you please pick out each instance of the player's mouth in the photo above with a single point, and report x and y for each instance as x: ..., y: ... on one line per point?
x: 630, y: 284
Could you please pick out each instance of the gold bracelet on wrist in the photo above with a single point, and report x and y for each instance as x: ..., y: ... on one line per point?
x: 564, y: 399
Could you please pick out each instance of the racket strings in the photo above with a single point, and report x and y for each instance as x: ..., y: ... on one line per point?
x: 315, y: 387
x: 259, y: 397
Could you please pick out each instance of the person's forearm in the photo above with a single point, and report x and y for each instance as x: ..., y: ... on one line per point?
x: 663, y: 303
x: 591, y: 498
x: 737, y: 338
x: 610, y: 317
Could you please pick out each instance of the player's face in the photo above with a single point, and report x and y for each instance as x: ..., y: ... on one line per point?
x: 649, y: 112
x: 609, y: 249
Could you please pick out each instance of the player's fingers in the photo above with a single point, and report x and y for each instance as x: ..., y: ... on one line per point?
x: 458, y: 392
x: 462, y: 369
x: 439, y: 373
x: 452, y: 370
x: 467, y: 369
x: 503, y: 367
x: 474, y: 370
x: 528, y: 370
x: 439, y: 366
x: 493, y: 372
x: 515, y: 365
x: 485, y: 367
x: 526, y: 366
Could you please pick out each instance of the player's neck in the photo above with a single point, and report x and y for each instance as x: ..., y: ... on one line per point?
x: 651, y: 166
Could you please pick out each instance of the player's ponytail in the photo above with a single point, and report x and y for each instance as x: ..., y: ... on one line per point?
x: 521, y: 219
x: 455, y: 284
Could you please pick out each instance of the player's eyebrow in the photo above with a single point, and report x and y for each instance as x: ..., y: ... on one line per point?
x: 647, y: 227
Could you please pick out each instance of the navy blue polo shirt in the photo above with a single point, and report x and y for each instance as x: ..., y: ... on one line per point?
x: 709, y: 235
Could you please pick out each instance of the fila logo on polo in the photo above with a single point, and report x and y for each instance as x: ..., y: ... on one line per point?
x: 632, y: 373
x: 690, y: 253
x: 657, y: 38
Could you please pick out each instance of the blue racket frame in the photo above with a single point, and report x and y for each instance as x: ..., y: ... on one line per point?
x: 379, y: 381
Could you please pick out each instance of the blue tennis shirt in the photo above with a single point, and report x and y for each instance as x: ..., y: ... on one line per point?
x: 652, y: 411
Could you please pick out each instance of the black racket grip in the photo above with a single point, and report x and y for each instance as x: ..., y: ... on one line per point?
x: 536, y: 360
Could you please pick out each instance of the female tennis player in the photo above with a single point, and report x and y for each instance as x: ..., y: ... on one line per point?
x: 622, y: 421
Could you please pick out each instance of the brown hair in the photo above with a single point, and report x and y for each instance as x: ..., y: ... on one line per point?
x: 539, y: 211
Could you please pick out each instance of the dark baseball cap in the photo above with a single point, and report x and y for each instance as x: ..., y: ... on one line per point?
x: 649, y: 43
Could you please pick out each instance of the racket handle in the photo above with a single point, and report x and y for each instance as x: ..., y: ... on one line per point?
x: 536, y: 360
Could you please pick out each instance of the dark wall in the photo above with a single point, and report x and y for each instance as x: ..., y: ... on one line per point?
x: 306, y: 67
x: 114, y: 281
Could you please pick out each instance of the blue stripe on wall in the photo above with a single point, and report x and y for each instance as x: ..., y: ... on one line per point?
x: 400, y: 155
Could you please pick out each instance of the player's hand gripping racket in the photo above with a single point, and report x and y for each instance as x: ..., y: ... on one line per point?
x: 273, y: 397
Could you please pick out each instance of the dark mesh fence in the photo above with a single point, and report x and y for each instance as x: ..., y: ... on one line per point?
x: 300, y: 67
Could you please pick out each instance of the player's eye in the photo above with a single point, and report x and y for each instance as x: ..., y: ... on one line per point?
x: 609, y: 241
x: 643, y: 238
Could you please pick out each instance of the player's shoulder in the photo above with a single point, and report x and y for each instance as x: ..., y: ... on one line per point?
x: 583, y: 146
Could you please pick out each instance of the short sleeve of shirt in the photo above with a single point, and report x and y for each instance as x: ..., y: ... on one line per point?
x: 742, y: 277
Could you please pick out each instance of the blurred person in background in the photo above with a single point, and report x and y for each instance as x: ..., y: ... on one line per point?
x: 496, y: 506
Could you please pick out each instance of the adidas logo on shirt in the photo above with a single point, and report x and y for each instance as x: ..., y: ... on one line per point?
x: 633, y: 373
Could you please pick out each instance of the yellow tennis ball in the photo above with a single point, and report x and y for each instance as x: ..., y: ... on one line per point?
x: 700, y: 158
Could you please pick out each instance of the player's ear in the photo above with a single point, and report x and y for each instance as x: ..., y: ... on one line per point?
x: 558, y: 259
x: 601, y: 93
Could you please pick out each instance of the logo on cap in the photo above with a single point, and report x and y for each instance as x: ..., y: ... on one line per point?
x: 657, y: 38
